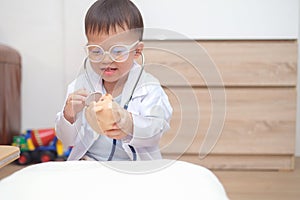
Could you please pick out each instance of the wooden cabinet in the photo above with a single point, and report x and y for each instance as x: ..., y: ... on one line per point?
x: 8, y: 154
x: 259, y: 84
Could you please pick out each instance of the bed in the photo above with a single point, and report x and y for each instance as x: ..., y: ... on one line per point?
x: 159, y: 179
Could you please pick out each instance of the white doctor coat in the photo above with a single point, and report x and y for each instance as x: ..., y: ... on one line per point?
x: 150, y: 108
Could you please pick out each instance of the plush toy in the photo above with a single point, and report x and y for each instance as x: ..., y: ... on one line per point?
x: 100, y: 114
x: 105, y: 116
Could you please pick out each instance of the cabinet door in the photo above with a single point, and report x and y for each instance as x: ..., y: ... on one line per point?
x: 259, y: 83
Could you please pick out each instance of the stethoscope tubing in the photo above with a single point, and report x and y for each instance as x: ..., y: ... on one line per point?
x: 134, y: 158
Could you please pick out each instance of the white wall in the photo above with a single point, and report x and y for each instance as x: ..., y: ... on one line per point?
x: 50, y: 37
x: 35, y: 28
x: 75, y: 40
x: 224, y: 19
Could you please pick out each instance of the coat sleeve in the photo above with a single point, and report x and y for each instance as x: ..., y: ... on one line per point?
x: 66, y: 131
x: 151, y: 119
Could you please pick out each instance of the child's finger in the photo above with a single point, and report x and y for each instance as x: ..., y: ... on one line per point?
x: 78, y: 98
x: 98, y: 108
x: 115, y: 134
x: 82, y: 92
x: 75, y: 102
x: 115, y: 126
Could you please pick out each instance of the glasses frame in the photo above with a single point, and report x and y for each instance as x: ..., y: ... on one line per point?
x: 128, y: 47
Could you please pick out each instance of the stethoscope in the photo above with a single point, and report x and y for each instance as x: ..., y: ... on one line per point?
x: 97, y: 95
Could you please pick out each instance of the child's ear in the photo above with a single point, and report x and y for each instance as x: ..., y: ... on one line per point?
x: 139, y: 49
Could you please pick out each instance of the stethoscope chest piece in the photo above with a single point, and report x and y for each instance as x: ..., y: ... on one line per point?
x: 94, y: 96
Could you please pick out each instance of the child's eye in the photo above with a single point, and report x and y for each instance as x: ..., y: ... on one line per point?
x: 96, y: 51
x: 118, y: 50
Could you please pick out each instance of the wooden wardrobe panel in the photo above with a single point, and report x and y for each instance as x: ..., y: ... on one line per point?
x: 240, y: 63
x: 258, y: 78
x: 257, y: 120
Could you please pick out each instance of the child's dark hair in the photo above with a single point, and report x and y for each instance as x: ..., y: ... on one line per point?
x: 106, y: 15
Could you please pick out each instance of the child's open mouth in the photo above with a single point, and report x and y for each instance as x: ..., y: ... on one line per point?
x: 108, y: 70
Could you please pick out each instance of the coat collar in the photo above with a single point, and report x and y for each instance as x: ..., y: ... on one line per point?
x: 130, y: 83
x: 134, y: 72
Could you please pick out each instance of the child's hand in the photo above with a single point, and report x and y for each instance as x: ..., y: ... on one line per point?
x: 74, y: 104
x: 107, y: 117
x: 115, y: 133
x: 123, y: 124
x: 99, y: 114
x: 123, y: 119
x: 103, y: 124
x: 91, y: 116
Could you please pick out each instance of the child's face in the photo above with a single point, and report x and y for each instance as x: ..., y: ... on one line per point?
x: 110, y: 70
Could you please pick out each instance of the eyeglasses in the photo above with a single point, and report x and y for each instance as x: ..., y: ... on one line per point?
x: 117, y: 53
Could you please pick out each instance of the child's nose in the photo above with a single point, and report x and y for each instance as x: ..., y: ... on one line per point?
x: 107, y: 58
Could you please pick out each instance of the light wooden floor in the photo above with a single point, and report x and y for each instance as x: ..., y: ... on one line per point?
x: 243, y: 185
x: 265, y: 185
x: 9, y: 169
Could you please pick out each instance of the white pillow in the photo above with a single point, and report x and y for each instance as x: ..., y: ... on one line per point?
x: 159, y: 179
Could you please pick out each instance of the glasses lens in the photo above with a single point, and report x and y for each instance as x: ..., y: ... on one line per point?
x: 119, y: 53
x: 95, y: 53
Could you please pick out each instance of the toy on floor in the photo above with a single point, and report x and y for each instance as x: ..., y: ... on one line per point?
x: 40, y: 145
